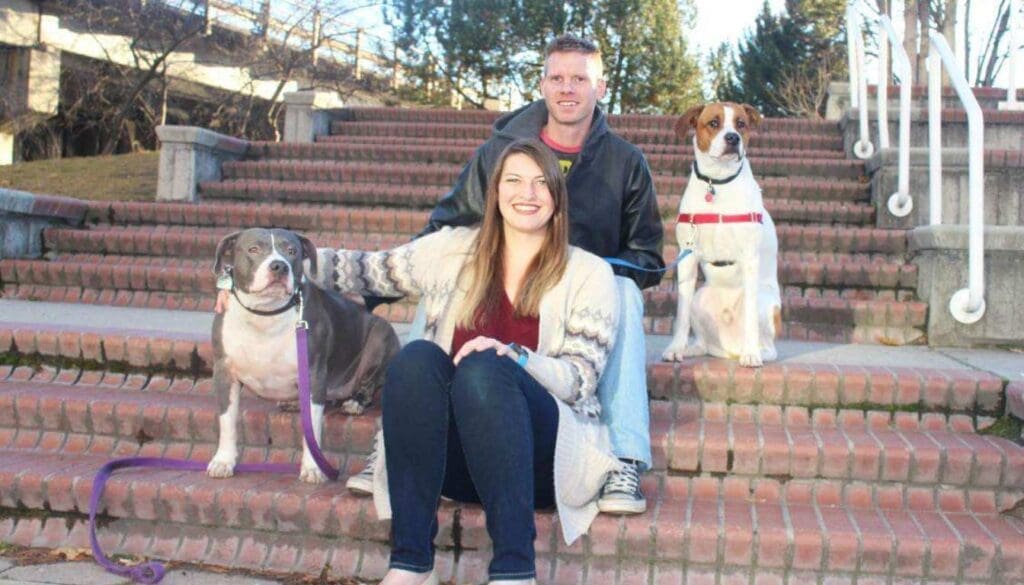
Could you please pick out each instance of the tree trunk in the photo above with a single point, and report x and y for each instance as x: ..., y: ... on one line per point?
x: 910, y: 12
x: 924, y: 19
x: 949, y: 31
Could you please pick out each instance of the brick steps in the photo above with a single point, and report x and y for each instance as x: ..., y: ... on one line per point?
x: 704, y: 522
x: 804, y: 139
x: 742, y: 441
x: 448, y: 116
x: 800, y: 269
x: 662, y: 157
x: 836, y: 196
x: 678, y: 148
x: 445, y: 174
x: 390, y: 220
x: 192, y: 240
x: 943, y: 393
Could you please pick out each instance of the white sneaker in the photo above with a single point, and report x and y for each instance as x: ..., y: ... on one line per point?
x: 514, y: 582
x: 621, y: 493
x: 362, y: 482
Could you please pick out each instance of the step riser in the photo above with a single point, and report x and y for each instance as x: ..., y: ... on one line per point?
x: 618, y: 121
x: 194, y: 241
x: 785, y: 139
x: 807, y: 192
x: 795, y: 271
x: 445, y: 175
x: 662, y: 157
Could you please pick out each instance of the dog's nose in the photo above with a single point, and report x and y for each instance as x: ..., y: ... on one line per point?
x: 732, y: 139
x: 278, y: 267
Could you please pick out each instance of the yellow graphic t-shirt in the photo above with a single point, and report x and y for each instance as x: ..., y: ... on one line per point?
x: 566, y: 154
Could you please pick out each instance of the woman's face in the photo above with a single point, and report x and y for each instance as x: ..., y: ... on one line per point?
x: 523, y: 197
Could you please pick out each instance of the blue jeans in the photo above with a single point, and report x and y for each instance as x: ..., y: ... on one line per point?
x: 482, y: 432
x: 622, y: 389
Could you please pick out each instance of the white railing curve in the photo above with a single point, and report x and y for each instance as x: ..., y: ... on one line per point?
x: 900, y: 203
x: 863, y: 148
x: 968, y: 304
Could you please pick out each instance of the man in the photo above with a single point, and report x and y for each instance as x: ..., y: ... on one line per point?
x: 613, y: 213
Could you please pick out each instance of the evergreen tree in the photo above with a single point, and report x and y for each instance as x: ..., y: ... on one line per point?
x: 479, y: 46
x: 784, y: 65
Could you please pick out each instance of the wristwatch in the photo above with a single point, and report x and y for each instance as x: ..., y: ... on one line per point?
x: 521, y: 354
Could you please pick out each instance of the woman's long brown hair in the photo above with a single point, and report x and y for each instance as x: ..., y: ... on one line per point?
x: 486, y: 267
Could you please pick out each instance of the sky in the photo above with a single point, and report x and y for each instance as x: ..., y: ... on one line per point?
x: 721, y: 21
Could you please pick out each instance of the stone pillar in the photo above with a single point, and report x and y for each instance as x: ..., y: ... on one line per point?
x: 189, y: 155
x: 30, y: 91
x: 6, y: 147
x: 940, y: 253
x: 308, y: 114
x: 1003, y: 181
x: 23, y: 216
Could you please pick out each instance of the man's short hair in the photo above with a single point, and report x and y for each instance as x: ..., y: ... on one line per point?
x: 570, y: 43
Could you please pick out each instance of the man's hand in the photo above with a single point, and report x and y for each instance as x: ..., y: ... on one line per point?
x: 222, y: 301
x: 482, y: 344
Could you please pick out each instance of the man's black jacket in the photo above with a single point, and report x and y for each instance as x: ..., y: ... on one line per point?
x: 613, y: 211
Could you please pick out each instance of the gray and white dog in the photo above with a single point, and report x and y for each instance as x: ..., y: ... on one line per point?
x: 254, y: 338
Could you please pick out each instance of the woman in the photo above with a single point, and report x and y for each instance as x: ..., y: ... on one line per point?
x: 496, y: 404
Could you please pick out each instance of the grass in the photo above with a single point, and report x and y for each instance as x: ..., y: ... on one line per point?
x: 122, y: 177
x: 1006, y: 427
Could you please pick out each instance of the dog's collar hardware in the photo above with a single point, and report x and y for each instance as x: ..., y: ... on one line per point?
x: 703, y: 218
x: 291, y: 303
x: 710, y: 195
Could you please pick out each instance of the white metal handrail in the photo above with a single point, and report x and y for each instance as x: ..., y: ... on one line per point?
x: 900, y: 203
x: 968, y: 304
x: 1011, y: 102
x: 863, y: 148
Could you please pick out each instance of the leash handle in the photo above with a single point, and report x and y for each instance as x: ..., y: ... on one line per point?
x: 624, y: 263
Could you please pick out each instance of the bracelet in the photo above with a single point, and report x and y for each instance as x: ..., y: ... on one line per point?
x: 521, y: 354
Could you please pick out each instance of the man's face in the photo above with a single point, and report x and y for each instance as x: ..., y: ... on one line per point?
x: 572, y: 85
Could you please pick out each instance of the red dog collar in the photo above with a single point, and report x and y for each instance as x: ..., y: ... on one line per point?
x: 699, y: 218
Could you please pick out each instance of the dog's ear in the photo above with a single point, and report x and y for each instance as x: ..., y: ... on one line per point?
x: 308, y: 253
x: 687, y: 121
x: 225, y: 255
x: 753, y: 114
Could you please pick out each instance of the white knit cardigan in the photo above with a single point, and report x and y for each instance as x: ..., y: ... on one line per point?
x: 578, y: 321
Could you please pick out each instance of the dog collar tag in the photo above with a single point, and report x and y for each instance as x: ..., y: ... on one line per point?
x: 710, y: 195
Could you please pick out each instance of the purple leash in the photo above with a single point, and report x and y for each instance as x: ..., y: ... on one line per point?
x: 153, y: 571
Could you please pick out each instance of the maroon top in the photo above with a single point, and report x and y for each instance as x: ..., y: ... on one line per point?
x: 503, y: 327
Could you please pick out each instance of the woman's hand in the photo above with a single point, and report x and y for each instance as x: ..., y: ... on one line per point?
x: 482, y: 344
x: 222, y: 301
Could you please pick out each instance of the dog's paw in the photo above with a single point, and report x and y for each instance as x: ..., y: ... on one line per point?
x: 312, y: 474
x: 751, y: 360
x: 677, y: 351
x: 220, y: 468
x: 352, y: 406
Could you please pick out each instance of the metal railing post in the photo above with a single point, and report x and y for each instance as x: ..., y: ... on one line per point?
x: 900, y: 203
x: 863, y: 148
x: 968, y: 304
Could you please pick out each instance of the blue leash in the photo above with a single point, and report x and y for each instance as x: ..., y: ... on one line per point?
x: 630, y: 265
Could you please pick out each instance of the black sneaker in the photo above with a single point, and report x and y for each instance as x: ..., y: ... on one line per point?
x: 621, y: 493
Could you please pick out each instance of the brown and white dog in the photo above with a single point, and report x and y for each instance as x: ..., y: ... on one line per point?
x: 254, y: 339
x: 723, y: 222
